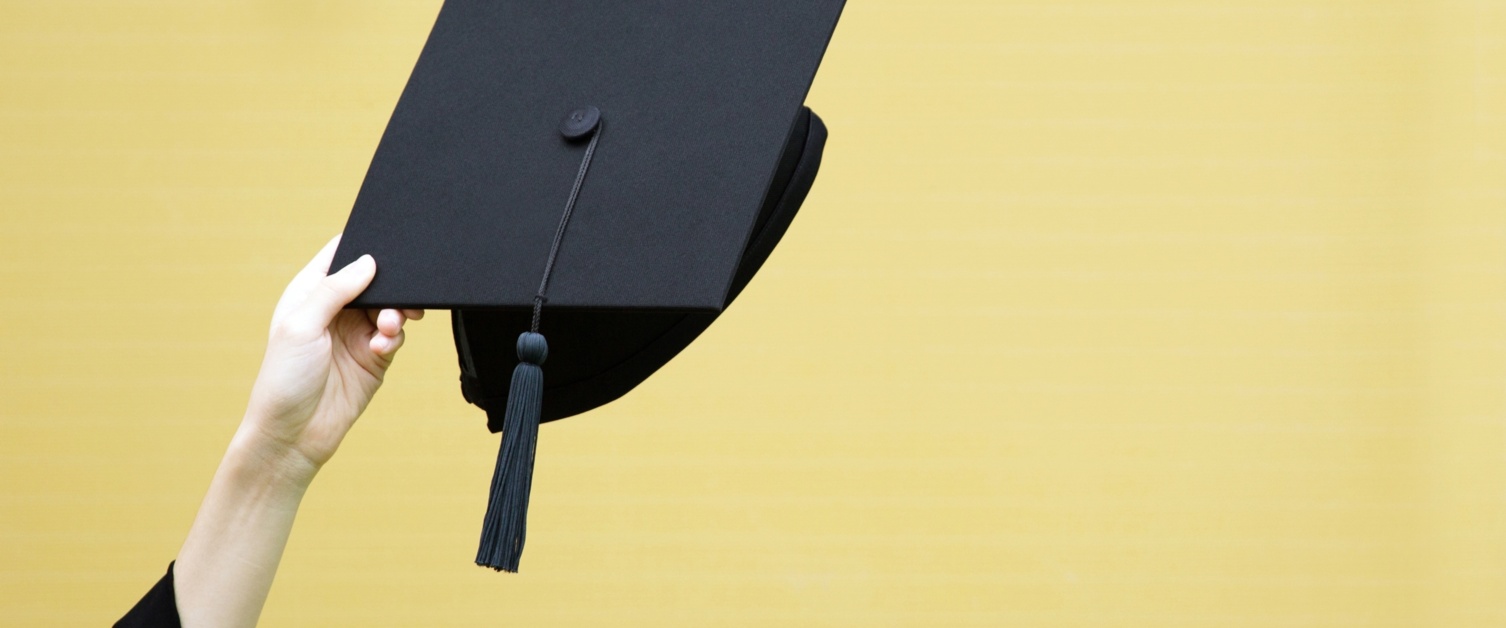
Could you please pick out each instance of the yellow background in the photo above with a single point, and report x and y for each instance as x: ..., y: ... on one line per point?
x: 1101, y: 313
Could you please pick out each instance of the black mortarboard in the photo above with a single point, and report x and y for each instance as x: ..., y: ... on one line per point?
x: 608, y: 173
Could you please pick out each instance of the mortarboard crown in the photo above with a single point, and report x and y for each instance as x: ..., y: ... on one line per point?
x: 609, y: 173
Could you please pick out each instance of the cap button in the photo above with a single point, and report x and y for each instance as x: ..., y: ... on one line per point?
x: 580, y: 123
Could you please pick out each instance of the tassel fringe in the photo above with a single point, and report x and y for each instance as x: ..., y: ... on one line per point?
x: 505, y: 527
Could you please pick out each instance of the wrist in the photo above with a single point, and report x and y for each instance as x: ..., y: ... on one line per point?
x: 256, y: 457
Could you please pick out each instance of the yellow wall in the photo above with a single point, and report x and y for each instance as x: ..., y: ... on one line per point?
x: 1102, y: 313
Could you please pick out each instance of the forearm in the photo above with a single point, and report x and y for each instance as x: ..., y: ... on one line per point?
x: 225, y: 568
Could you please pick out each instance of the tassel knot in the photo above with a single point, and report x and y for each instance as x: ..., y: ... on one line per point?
x: 532, y: 348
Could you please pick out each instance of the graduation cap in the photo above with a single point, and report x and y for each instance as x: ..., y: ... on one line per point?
x: 611, y: 174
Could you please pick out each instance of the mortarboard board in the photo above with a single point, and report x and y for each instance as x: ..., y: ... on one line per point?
x: 609, y: 174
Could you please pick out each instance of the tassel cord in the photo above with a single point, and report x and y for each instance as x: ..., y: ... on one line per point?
x: 559, y: 232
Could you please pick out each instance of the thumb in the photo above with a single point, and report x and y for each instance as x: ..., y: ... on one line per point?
x: 339, y: 289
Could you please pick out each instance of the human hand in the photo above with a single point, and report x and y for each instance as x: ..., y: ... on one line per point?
x: 322, y: 366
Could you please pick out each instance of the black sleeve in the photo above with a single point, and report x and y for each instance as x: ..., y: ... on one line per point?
x: 159, y: 609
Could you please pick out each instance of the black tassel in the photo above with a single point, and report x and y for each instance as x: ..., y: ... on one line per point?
x: 506, y: 523
x: 503, y: 531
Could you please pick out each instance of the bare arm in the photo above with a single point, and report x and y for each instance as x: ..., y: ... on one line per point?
x: 322, y: 366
